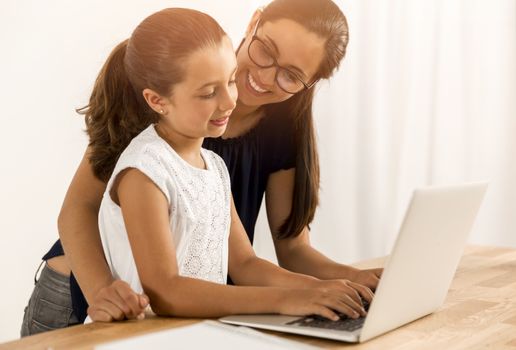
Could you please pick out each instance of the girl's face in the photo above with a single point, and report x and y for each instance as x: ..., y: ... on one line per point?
x: 289, y: 45
x: 201, y: 104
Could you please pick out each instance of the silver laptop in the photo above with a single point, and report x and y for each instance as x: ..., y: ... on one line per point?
x: 417, y: 274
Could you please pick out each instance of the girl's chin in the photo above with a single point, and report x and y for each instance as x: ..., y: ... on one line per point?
x: 216, y: 133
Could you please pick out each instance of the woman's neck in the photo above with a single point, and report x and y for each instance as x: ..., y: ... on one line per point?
x: 241, y: 111
x: 186, y: 147
x: 242, y: 119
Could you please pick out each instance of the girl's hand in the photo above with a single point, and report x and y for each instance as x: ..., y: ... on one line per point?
x: 368, y: 277
x: 333, y: 296
x: 355, y: 291
x: 117, y: 302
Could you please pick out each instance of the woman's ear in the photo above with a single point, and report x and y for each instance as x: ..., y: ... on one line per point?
x: 256, y: 17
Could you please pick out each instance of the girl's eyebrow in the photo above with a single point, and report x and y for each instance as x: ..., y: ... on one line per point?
x: 208, y: 84
x: 275, y: 47
x: 216, y: 81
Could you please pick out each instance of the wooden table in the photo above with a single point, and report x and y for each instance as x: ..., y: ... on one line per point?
x: 479, y: 313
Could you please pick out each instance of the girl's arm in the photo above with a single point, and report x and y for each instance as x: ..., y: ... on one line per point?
x: 145, y: 211
x: 80, y: 237
x: 296, y: 254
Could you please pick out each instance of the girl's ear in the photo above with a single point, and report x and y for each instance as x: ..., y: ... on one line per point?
x: 256, y: 17
x: 154, y: 100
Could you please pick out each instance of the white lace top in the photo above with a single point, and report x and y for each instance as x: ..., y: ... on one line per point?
x: 199, y: 209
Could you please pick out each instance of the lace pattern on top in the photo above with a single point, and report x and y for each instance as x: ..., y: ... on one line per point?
x: 199, y: 206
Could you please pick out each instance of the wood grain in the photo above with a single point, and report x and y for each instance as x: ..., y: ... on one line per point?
x: 479, y: 313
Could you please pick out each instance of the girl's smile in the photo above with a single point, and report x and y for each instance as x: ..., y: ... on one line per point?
x: 220, y: 122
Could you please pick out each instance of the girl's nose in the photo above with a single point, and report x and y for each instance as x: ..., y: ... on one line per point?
x: 229, y: 99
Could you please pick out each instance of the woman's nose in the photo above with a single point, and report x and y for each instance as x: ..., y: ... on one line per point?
x: 267, y: 76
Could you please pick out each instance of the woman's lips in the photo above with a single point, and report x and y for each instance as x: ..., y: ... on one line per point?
x: 253, y: 91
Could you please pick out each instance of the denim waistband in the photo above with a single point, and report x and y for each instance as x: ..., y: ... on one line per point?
x: 54, y: 280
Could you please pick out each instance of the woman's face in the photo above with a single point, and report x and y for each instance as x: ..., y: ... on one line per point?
x: 292, y: 46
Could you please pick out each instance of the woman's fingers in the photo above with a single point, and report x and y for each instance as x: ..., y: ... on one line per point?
x: 377, y: 272
x: 110, y: 296
x: 144, y: 301
x: 118, y: 301
x: 97, y: 312
x: 371, y: 277
x: 128, y: 301
x: 99, y: 315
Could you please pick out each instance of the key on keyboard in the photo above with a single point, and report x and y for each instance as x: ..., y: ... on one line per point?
x: 343, y: 324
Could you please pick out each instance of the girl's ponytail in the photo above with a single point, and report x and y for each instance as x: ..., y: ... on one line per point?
x: 113, y: 115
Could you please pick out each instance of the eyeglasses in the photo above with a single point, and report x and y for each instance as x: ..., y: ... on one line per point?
x: 260, y: 55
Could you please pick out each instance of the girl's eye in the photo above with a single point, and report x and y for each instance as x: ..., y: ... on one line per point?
x: 208, y: 96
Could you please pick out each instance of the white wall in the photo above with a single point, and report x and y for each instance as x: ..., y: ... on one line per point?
x: 51, y: 51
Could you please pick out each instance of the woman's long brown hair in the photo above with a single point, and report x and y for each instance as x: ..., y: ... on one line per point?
x: 153, y: 57
x: 324, y: 18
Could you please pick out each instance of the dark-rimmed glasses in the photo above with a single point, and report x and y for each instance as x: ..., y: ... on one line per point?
x: 260, y: 54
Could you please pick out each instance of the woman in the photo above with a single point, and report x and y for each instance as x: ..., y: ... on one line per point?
x: 268, y: 146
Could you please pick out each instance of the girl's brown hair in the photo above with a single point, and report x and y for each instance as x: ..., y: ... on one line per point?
x: 324, y: 18
x: 153, y: 57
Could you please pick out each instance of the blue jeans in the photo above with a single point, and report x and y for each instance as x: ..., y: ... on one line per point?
x: 50, y: 305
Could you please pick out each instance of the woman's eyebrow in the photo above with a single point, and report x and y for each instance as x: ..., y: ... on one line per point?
x: 275, y: 47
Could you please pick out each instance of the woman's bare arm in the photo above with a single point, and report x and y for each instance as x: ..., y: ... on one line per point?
x: 296, y: 254
x: 80, y: 237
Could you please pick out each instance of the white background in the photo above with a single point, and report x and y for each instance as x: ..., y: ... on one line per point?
x: 426, y: 95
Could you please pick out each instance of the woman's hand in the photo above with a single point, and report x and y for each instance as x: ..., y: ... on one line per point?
x: 326, y: 298
x: 117, y: 302
x: 368, y: 277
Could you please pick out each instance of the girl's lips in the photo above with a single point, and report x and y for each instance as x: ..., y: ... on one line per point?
x: 220, y: 122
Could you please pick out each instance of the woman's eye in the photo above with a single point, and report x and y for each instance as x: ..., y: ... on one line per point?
x: 291, y: 77
x: 264, y: 51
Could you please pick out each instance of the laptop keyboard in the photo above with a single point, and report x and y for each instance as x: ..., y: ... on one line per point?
x: 343, y: 324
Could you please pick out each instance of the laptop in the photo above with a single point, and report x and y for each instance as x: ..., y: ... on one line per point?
x: 416, y: 276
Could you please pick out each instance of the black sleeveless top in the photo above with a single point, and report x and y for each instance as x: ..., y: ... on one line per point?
x: 250, y: 159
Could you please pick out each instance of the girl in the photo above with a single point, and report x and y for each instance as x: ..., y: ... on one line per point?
x: 167, y: 221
